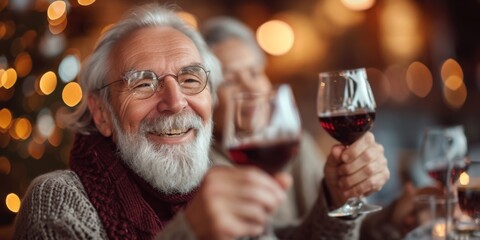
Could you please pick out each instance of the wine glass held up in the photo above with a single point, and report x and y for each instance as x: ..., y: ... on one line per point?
x: 265, y: 129
x: 346, y: 111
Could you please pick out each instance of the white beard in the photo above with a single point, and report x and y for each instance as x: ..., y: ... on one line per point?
x: 170, y: 168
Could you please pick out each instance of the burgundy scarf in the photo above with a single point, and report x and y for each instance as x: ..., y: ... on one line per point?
x: 128, y: 206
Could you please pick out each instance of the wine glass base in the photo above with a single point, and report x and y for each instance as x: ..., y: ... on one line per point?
x: 354, y: 210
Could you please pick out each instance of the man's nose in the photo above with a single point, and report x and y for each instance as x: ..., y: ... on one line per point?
x: 171, y: 98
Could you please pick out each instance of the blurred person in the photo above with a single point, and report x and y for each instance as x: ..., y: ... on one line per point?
x: 325, y: 181
x: 139, y: 166
x: 243, y: 65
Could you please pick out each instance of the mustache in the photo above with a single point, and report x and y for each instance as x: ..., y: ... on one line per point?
x: 184, y: 120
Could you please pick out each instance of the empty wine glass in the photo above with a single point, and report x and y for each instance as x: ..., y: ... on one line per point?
x: 346, y: 110
x: 264, y: 130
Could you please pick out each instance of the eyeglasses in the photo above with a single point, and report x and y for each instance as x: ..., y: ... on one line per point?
x: 144, y: 83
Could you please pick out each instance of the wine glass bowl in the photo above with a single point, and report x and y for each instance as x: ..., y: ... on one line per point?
x: 265, y: 129
x: 346, y: 111
x: 443, y: 151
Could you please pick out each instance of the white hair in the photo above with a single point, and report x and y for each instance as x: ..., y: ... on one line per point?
x: 97, y: 66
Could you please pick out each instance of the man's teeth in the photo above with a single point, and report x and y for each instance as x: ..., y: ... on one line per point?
x: 173, y: 132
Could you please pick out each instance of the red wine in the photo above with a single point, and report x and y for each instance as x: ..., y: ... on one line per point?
x: 469, y: 201
x: 270, y: 157
x: 349, y: 127
x: 440, y: 173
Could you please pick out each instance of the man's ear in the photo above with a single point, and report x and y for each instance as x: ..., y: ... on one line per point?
x: 100, y: 115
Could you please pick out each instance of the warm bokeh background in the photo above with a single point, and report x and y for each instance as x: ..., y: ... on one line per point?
x: 423, y: 60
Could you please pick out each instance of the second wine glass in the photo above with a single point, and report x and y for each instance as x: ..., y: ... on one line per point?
x: 263, y: 130
x: 346, y: 110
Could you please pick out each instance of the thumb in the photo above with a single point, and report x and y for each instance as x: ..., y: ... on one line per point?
x: 285, y: 180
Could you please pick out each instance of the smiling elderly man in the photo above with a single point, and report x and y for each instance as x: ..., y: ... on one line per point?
x: 139, y: 163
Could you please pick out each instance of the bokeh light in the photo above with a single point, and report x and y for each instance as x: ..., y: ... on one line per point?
x: 307, y: 49
x: 455, y: 98
x: 22, y: 128
x: 453, y: 82
x: 85, y: 2
x: 72, y: 94
x: 59, y: 28
x: 5, y: 166
x: 36, y: 150
x: 56, y: 138
x: 419, y: 79
x: 9, y: 78
x: 464, y: 179
x: 69, y: 68
x: 402, y: 38
x: 45, y: 123
x: 358, y: 5
x: 13, y: 202
x: 451, y: 68
x: 52, y: 45
x: 48, y: 82
x: 56, y: 11
x: 333, y: 18
x: 5, y: 119
x: 23, y: 64
x: 275, y: 37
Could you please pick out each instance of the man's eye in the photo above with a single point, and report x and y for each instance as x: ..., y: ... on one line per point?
x: 144, y: 83
x: 192, y: 81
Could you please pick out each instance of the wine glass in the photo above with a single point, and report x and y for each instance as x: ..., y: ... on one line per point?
x: 469, y: 194
x: 443, y: 151
x: 443, y: 155
x: 346, y: 110
x: 264, y: 130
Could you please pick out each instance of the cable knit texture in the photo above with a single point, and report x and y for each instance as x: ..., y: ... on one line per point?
x: 128, y: 207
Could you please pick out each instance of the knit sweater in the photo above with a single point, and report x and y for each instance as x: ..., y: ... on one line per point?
x: 56, y: 206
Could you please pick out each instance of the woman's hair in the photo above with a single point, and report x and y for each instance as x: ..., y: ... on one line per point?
x: 97, y: 66
x: 219, y: 29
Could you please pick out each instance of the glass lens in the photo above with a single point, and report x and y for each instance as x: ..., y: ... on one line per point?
x: 142, y: 84
x: 192, y: 79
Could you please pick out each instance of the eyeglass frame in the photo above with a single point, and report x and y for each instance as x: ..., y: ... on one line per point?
x: 124, y: 78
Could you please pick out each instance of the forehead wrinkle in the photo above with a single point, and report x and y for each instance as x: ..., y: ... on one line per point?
x: 139, y: 52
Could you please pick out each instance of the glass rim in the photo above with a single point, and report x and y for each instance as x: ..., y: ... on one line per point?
x: 341, y: 72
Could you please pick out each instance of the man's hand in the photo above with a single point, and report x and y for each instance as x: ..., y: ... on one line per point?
x: 235, y: 202
x: 357, y: 170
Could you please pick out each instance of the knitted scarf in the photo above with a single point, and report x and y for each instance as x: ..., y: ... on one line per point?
x: 129, y: 207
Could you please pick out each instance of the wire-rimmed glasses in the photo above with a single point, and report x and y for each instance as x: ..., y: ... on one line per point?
x: 143, y: 84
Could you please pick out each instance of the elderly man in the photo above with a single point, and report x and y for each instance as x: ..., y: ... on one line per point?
x: 139, y: 164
